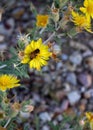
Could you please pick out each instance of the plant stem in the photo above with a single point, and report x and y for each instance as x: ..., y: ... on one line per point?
x: 41, y: 31
x: 2, y: 66
x: 51, y: 36
x: 7, y: 123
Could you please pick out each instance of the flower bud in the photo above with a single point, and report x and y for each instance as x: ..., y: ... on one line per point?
x: 55, y: 13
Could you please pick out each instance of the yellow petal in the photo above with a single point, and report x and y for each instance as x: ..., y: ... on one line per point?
x: 25, y: 60
x: 82, y: 9
x: 86, y: 3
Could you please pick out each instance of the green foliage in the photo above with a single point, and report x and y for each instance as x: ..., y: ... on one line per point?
x: 54, y: 127
x: 68, y: 122
x: 12, y: 125
x: 59, y: 25
x: 24, y: 103
x: 37, y: 122
x: 72, y: 33
x: 20, y: 70
x: 26, y: 128
x: 60, y: 3
x: 12, y: 66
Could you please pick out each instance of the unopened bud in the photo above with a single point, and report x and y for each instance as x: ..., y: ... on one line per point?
x: 21, y: 55
x: 55, y: 13
x: 29, y: 108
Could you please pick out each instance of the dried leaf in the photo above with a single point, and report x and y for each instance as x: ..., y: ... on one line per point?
x: 1, y: 128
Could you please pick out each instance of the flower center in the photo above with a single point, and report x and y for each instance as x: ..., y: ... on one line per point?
x: 91, y: 118
x: 34, y: 54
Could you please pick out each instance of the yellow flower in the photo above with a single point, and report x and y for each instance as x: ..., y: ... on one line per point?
x: 81, y: 21
x: 89, y: 116
x: 8, y: 81
x: 42, y: 20
x: 36, y: 54
x: 88, y: 8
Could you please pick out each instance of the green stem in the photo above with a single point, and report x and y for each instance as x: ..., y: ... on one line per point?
x: 7, y: 123
x: 51, y: 36
x: 42, y: 30
x: 2, y: 66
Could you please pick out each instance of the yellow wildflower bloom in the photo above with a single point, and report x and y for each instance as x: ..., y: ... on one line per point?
x: 89, y: 116
x: 81, y: 21
x: 8, y: 81
x: 42, y: 20
x: 88, y: 8
x: 36, y: 54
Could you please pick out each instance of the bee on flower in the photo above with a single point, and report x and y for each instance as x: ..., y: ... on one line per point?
x: 36, y: 54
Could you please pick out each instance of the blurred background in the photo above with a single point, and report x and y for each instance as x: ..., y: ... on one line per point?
x: 64, y: 86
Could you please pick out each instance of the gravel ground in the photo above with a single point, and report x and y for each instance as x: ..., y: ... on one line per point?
x: 64, y: 86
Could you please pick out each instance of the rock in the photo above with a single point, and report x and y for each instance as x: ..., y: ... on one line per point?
x: 76, y: 58
x: 73, y: 97
x: 90, y: 107
x: 47, y: 78
x: 56, y: 49
x: 2, y: 37
x: 90, y: 43
x: 18, y: 12
x: 45, y: 69
x: 25, y: 17
x: 2, y: 29
x: 64, y: 105
x: 59, y: 117
x: 88, y: 94
x: 64, y: 57
x: 70, y: 67
x: 78, y: 45
x: 45, y: 127
x: 44, y: 116
x: 67, y: 87
x: 53, y: 75
x: 55, y: 122
x: 9, y: 24
x: 59, y: 65
x: 87, y: 53
x: 36, y: 98
x: 58, y: 81
x: 82, y: 105
x: 85, y: 79
x: 7, y: 28
x: 89, y: 62
x: 3, y: 47
x: 71, y: 78
x: 24, y: 115
x: 59, y: 95
x: 11, y: 3
x: 83, y: 89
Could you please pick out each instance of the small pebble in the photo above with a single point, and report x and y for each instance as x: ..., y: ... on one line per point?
x: 45, y: 116
x: 76, y: 58
x: 73, y: 97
